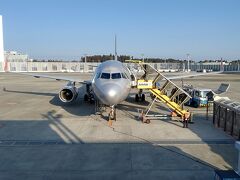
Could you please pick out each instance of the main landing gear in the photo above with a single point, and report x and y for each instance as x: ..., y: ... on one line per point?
x: 140, y: 96
x: 89, y: 97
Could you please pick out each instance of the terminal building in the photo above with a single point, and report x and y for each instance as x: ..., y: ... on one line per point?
x: 13, y: 56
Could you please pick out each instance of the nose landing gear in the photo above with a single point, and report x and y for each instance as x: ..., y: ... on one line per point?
x: 112, y: 115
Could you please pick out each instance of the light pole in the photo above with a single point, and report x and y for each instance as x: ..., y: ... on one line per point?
x: 142, y: 57
x: 188, y: 62
x: 238, y: 65
x: 85, y: 60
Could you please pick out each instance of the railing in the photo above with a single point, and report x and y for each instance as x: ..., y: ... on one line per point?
x: 87, y: 67
x: 226, y: 115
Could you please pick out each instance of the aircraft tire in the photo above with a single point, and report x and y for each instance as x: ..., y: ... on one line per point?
x: 136, y: 98
x: 111, y: 116
x: 143, y: 98
x: 85, y: 97
x: 91, y: 101
x: 115, y: 115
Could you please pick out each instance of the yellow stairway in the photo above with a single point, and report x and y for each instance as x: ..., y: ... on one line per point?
x: 165, y: 99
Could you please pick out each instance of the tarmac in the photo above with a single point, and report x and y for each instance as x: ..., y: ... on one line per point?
x: 43, y: 138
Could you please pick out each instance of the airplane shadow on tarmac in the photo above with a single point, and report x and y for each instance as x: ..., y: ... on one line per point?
x: 81, y: 108
x: 31, y: 155
x: 77, y: 107
x: 147, y: 148
x: 133, y: 109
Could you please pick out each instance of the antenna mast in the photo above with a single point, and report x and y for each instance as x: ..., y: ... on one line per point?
x: 115, y: 47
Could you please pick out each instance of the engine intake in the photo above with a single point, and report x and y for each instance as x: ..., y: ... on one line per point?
x: 68, y: 94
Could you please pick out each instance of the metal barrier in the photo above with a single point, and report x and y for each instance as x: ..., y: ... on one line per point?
x: 226, y: 115
x: 69, y: 66
x: 90, y: 67
x: 49, y: 67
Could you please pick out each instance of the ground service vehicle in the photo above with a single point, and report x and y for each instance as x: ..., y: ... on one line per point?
x: 200, y: 97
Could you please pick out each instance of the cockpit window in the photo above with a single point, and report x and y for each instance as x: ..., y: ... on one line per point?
x: 116, y: 75
x: 98, y: 75
x: 124, y: 76
x: 105, y: 75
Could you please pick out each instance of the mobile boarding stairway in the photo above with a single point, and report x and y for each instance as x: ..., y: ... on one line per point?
x: 166, y: 92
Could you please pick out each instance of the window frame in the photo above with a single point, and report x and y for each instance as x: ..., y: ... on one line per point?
x: 118, y: 77
x: 109, y: 75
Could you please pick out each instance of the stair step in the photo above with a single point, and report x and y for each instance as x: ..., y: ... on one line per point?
x: 173, y: 105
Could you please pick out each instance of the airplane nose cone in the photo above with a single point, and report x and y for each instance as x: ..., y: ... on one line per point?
x: 112, y: 94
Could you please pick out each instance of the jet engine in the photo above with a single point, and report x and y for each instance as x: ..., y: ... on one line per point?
x: 68, y: 94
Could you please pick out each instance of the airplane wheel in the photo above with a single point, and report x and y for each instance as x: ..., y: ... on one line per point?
x: 111, y: 116
x: 148, y: 121
x: 91, y: 101
x: 85, y: 97
x: 136, y: 98
x: 143, y: 98
x: 115, y: 115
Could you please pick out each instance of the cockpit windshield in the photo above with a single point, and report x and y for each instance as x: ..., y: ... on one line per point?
x: 202, y: 94
x: 105, y: 75
x: 116, y: 75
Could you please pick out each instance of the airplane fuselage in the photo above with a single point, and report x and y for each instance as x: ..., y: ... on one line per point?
x: 111, y: 82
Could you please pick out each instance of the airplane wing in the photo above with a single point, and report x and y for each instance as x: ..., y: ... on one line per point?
x: 192, y: 75
x: 93, y: 65
x: 222, y: 89
x: 58, y: 78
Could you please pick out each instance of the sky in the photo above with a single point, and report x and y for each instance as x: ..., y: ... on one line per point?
x: 68, y: 29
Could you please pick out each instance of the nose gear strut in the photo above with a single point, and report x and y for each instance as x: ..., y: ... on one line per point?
x: 112, y: 115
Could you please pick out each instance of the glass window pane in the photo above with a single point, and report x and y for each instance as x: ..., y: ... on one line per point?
x: 116, y: 75
x: 98, y: 75
x: 105, y: 76
x: 197, y: 93
x: 124, y: 76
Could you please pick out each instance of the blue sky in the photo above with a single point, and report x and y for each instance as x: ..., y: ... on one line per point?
x: 67, y: 29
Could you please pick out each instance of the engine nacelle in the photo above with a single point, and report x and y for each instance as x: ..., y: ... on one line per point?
x: 68, y: 94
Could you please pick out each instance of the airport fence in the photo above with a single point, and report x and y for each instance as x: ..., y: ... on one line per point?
x: 72, y: 66
x: 226, y: 115
x: 90, y: 67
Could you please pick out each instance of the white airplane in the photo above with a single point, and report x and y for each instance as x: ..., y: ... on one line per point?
x: 110, y: 85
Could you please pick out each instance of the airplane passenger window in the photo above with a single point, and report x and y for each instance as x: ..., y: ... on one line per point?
x: 105, y: 76
x: 116, y: 75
